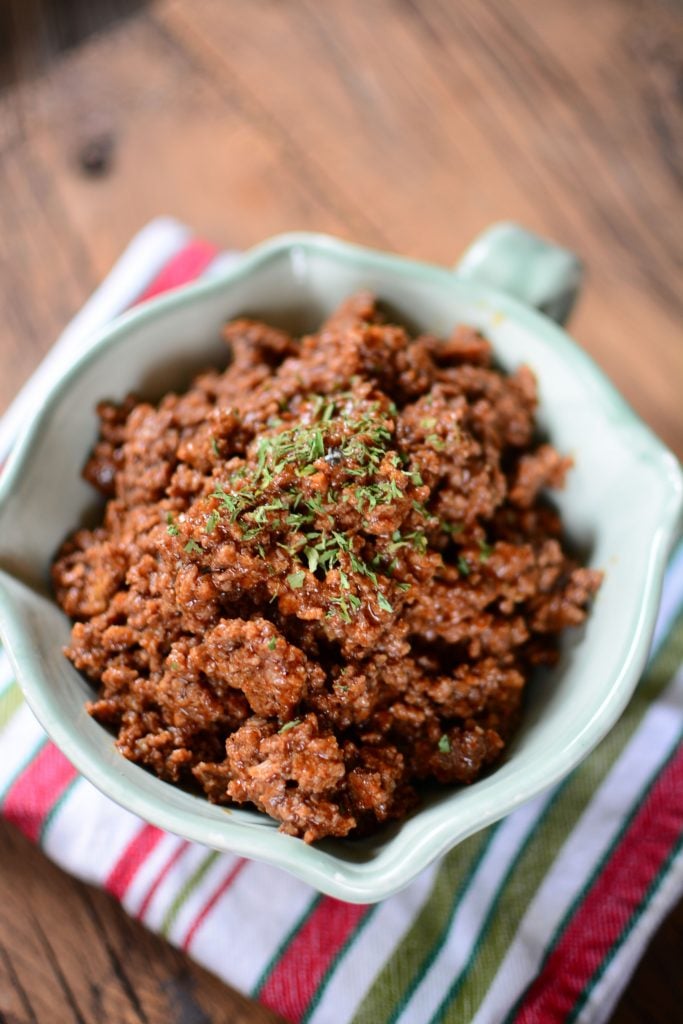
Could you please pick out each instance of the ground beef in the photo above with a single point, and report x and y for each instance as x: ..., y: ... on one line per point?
x: 325, y: 575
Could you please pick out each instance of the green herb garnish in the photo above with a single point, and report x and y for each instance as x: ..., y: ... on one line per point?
x: 192, y: 547
x: 212, y: 521
x: 289, y: 725
x: 444, y: 745
x: 171, y: 527
x: 313, y: 556
x: 275, y: 498
x: 451, y: 528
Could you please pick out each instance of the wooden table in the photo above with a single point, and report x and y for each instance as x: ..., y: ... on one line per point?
x: 406, y: 125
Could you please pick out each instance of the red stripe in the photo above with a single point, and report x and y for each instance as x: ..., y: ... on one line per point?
x: 211, y: 903
x: 137, y: 851
x: 181, y: 268
x: 175, y: 856
x: 35, y: 791
x: 294, y: 980
x: 610, y: 903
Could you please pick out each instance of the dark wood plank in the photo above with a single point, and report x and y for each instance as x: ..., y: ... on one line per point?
x: 45, y: 272
x: 477, y: 112
x: 70, y: 955
x: 181, y: 144
x: 653, y: 995
x: 32, y: 32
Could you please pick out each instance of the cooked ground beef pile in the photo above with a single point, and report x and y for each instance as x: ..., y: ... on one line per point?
x: 324, y: 574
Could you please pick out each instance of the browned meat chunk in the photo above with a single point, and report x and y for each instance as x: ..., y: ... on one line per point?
x: 325, y: 574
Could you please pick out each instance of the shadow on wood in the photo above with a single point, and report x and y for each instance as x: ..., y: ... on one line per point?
x: 34, y: 31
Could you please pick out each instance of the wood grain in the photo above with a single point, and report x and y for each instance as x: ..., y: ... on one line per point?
x: 405, y: 124
x: 69, y: 953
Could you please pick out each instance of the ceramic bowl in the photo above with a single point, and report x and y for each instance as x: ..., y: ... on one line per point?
x: 621, y: 507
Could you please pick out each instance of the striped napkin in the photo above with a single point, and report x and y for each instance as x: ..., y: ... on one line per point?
x: 541, y: 918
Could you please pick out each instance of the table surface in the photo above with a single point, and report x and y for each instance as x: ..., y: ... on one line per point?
x: 405, y: 125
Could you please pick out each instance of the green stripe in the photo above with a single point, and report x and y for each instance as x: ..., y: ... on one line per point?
x: 529, y: 871
x: 581, y: 895
x: 339, y: 956
x: 563, y: 812
x: 536, y: 857
x: 495, y: 901
x: 472, y: 985
x: 566, y: 807
x: 185, y: 892
x: 11, y: 700
x: 279, y: 952
x: 469, y: 986
x: 635, y: 917
x: 56, y: 807
x: 403, y: 972
x: 606, y: 857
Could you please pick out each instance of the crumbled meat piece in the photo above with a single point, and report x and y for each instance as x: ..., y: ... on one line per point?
x: 468, y: 750
x: 325, y: 574
x: 465, y: 345
x: 253, y: 344
x: 543, y: 468
x: 251, y: 656
x: 294, y: 775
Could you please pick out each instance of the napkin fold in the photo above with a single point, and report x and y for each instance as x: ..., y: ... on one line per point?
x: 539, y: 918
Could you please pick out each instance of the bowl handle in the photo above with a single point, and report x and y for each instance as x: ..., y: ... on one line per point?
x: 513, y: 260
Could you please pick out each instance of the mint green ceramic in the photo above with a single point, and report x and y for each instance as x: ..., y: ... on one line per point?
x: 621, y: 505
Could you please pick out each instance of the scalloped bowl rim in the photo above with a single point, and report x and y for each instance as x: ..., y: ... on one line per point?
x: 396, y: 865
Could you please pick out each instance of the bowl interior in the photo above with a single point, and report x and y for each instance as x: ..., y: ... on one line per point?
x: 619, y: 507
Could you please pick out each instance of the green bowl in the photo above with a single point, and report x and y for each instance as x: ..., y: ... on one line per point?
x: 621, y: 506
